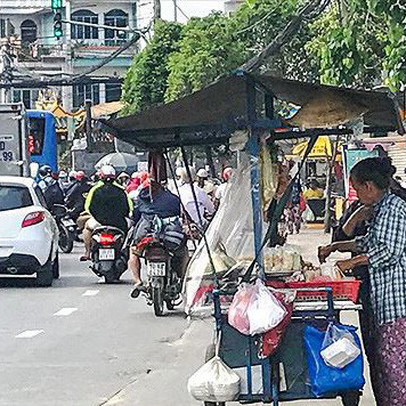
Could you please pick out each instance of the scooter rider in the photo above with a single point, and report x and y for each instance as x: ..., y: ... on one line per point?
x: 50, y: 187
x: 154, y: 202
x: 108, y: 204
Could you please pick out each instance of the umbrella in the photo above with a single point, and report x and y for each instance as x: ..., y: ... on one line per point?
x: 122, y: 161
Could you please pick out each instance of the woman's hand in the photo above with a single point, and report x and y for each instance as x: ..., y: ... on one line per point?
x: 324, y: 252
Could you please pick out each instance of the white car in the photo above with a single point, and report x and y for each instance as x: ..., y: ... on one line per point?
x: 28, y: 232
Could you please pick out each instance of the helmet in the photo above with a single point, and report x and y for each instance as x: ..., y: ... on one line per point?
x: 107, y: 172
x: 79, y: 175
x: 202, y: 173
x: 227, y: 172
x: 62, y: 175
x: 45, y: 170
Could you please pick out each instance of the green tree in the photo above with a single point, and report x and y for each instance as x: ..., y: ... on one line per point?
x: 361, y: 43
x: 146, y: 81
x: 207, y: 50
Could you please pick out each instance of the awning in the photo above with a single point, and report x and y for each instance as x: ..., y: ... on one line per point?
x: 214, y: 112
x: 106, y: 109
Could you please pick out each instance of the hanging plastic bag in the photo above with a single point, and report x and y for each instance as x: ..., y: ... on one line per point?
x: 339, y: 347
x: 238, y: 311
x: 325, y: 379
x: 215, y: 381
x: 265, y: 311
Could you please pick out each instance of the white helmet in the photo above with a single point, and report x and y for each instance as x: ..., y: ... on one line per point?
x: 107, y: 172
x: 202, y: 173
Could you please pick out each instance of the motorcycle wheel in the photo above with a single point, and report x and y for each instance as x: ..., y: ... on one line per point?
x: 158, y: 301
x: 65, y: 242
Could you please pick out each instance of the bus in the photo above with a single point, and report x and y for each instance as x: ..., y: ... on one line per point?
x: 26, y: 136
x: 41, y: 138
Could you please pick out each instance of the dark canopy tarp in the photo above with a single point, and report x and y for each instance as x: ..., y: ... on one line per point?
x: 212, y: 113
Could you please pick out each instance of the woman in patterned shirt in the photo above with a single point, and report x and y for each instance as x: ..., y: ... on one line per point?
x: 383, y: 250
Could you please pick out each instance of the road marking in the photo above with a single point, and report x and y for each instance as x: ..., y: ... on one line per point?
x: 29, y: 333
x: 66, y: 311
x: 91, y: 293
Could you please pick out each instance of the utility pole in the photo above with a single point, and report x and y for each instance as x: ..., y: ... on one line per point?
x: 88, y: 108
x: 157, y: 9
x: 175, y: 10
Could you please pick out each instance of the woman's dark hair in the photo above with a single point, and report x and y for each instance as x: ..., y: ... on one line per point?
x: 376, y: 170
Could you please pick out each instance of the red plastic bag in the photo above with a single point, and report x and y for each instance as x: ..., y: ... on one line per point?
x: 238, y: 311
x: 272, y: 338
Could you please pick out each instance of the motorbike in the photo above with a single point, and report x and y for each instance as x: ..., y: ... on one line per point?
x: 66, y: 226
x: 163, y: 281
x: 109, y: 253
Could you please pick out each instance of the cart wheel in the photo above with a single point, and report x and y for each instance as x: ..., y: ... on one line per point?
x: 351, y: 398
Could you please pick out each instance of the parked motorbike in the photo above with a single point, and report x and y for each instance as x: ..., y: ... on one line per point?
x: 66, y: 226
x: 163, y: 279
x: 109, y: 253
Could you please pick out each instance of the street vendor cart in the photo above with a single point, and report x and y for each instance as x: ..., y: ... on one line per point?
x: 243, y: 109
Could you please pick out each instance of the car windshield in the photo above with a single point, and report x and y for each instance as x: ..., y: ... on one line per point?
x: 14, y: 197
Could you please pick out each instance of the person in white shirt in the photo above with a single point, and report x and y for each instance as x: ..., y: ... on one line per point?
x: 204, y: 204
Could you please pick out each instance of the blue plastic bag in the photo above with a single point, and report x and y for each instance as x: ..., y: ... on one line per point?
x: 325, y: 379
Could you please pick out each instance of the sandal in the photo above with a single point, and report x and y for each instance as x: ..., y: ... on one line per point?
x: 84, y: 258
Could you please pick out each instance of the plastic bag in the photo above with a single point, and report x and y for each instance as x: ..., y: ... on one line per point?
x: 339, y: 347
x: 215, y: 381
x: 265, y: 311
x: 325, y: 379
x: 238, y: 311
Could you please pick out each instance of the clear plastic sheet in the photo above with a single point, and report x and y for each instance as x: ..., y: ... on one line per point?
x: 230, y: 238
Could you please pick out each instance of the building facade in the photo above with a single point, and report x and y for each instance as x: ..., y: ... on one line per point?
x: 40, y: 55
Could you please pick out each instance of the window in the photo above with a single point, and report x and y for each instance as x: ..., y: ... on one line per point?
x: 28, y: 97
x: 14, y: 197
x: 115, y: 18
x: 6, y: 28
x: 28, y: 32
x: 113, y: 92
x: 85, y: 92
x: 81, y: 31
x: 40, y: 196
x: 36, y: 135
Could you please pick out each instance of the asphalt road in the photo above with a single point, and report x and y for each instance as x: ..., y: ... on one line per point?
x: 80, y: 342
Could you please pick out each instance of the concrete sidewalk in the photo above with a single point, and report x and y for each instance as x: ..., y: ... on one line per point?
x: 166, y: 384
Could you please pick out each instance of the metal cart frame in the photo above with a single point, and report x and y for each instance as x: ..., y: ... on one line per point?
x: 240, y: 352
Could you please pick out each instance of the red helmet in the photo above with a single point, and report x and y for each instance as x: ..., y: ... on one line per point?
x: 79, y: 175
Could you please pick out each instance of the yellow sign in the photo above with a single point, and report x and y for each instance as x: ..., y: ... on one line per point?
x: 322, y: 148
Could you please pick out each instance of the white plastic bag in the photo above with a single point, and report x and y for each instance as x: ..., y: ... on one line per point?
x: 265, y: 311
x: 238, y: 311
x: 339, y: 348
x: 215, y: 381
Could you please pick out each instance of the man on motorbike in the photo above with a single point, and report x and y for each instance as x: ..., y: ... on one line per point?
x: 108, y: 204
x: 50, y: 187
x: 155, y: 205
x: 75, y: 199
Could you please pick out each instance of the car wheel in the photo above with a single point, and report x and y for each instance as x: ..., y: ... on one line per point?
x: 45, y: 275
x: 55, y: 266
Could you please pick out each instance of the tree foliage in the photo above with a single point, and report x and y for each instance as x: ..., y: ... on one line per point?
x: 146, y: 81
x: 207, y: 49
x: 360, y: 43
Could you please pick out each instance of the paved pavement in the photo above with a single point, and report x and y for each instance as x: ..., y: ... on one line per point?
x: 84, y: 343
